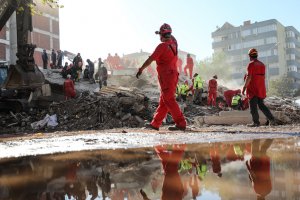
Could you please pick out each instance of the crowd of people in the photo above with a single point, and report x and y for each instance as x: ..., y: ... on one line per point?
x: 55, y: 61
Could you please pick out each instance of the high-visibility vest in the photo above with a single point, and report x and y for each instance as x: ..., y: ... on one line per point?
x: 177, y: 90
x: 235, y: 100
x: 184, y: 89
x: 198, y: 82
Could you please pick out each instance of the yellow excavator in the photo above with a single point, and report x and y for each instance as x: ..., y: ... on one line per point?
x: 21, y: 81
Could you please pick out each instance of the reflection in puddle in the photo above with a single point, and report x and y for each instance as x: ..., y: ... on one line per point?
x: 255, y: 169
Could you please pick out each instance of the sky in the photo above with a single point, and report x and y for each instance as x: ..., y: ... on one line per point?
x: 98, y: 27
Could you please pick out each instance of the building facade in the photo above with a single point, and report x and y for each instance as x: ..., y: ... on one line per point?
x: 45, y: 34
x: 278, y: 47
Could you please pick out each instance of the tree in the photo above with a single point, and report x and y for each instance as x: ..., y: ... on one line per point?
x: 32, y: 5
x: 215, y: 65
x: 282, y: 87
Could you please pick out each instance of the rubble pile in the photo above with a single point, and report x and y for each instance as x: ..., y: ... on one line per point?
x: 285, y: 105
x: 97, y: 112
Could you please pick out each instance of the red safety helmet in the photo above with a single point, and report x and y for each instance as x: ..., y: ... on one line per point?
x: 164, y: 29
x: 252, y: 52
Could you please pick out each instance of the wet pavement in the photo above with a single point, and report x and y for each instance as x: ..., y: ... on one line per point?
x: 236, y: 169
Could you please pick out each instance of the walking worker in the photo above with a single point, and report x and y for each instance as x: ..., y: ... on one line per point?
x: 256, y: 89
x: 189, y: 65
x: 165, y: 56
x: 212, y: 91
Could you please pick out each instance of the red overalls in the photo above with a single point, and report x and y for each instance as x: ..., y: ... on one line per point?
x: 165, y: 56
x: 189, y: 66
x: 212, y: 92
x: 179, y: 65
x: 228, y: 94
x: 69, y: 89
x: 172, y: 186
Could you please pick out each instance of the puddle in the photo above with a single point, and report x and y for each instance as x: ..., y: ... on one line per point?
x: 228, y: 170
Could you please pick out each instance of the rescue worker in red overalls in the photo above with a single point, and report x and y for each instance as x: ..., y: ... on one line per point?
x: 189, y: 66
x: 259, y: 167
x: 212, y: 91
x: 228, y: 94
x: 69, y: 89
x: 256, y: 89
x: 179, y: 65
x: 165, y: 56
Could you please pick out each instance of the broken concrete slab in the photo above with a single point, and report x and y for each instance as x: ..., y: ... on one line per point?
x: 237, y: 117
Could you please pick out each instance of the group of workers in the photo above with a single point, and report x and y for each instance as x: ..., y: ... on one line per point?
x: 73, y: 72
x: 166, y: 57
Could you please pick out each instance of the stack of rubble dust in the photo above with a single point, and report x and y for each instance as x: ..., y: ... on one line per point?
x: 98, y: 112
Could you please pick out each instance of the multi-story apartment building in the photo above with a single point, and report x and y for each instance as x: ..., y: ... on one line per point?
x: 45, y: 34
x: 278, y: 47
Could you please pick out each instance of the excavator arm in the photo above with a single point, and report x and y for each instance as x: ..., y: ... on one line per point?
x: 25, y: 74
x: 24, y: 82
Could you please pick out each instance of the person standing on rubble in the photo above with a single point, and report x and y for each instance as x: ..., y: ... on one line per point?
x: 102, y: 71
x: 53, y: 58
x: 45, y: 59
x: 165, y: 56
x: 189, y: 65
x: 212, y: 91
x: 256, y: 89
x: 91, y: 70
x: 69, y: 89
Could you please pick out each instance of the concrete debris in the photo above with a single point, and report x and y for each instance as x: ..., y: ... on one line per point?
x: 116, y: 107
x: 98, y: 111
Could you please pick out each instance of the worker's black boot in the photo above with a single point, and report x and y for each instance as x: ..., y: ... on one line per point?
x: 253, y: 125
x: 176, y: 128
x: 149, y: 126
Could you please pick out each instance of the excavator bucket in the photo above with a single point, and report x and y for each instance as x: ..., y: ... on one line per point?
x: 18, y: 78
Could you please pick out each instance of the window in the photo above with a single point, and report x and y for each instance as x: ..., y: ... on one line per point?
x: 291, y: 45
x: 267, y: 28
x: 254, y: 31
x: 245, y: 33
x: 290, y: 34
x: 217, y: 39
x: 292, y: 68
x: 271, y: 40
x: 292, y: 57
x: 224, y: 38
x: 254, y: 43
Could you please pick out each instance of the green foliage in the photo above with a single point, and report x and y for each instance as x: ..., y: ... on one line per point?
x: 32, y: 6
x: 281, y: 87
x: 215, y: 65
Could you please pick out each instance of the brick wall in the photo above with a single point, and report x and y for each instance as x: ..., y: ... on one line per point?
x: 56, y: 44
x: 41, y: 40
x: 55, y: 27
x: 2, y: 51
x: 3, y: 33
x: 41, y: 22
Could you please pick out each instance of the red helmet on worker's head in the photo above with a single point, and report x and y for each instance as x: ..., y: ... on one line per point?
x: 252, y: 52
x: 164, y: 29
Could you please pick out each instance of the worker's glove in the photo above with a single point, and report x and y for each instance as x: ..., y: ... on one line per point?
x: 243, y: 91
x: 139, y: 73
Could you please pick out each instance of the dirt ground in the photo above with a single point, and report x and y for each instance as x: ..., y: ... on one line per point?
x: 63, y: 141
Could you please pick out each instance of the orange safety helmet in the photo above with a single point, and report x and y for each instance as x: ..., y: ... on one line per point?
x: 252, y: 52
x: 164, y: 29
